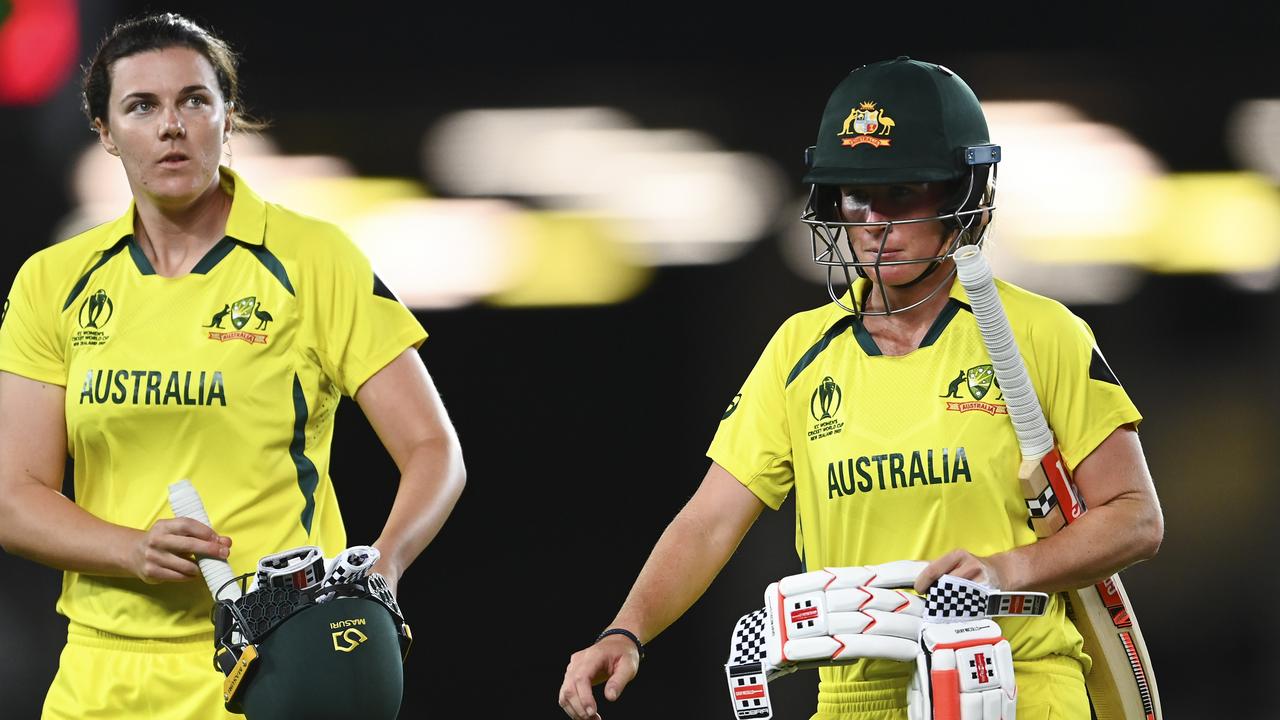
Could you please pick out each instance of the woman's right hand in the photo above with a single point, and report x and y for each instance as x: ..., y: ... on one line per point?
x: 615, y: 659
x: 167, y: 552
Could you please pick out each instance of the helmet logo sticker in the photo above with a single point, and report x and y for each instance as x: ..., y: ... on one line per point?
x: 348, y: 640
x: 867, y: 125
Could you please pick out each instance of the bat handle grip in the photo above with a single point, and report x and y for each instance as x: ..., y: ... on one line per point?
x: 185, y: 502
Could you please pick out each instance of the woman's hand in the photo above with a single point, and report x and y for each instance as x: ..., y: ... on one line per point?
x: 963, y: 564
x: 615, y: 658
x: 167, y: 552
x: 390, y: 573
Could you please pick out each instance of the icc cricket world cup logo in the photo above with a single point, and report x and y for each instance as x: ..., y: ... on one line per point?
x: 96, y: 311
x: 825, y: 400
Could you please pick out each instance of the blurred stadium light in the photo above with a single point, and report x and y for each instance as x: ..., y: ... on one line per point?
x: 39, y: 40
x: 1253, y: 135
x: 683, y: 200
x: 573, y: 206
x: 1084, y: 209
x: 433, y: 253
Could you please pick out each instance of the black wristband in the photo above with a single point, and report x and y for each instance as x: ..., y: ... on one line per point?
x: 620, y: 631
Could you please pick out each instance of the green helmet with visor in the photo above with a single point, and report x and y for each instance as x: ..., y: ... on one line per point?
x: 899, y: 121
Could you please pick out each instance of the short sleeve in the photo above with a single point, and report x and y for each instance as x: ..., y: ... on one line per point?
x: 358, y: 324
x: 753, y: 441
x: 29, y: 342
x: 1084, y: 399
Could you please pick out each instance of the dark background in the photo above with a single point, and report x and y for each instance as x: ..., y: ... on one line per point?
x: 584, y: 429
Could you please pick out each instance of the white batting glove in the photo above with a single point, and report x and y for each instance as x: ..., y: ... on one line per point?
x: 965, y: 667
x: 845, y: 613
x: 826, y: 617
x: 965, y: 672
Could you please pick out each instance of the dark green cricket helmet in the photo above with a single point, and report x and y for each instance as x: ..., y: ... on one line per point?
x: 340, y: 659
x: 324, y: 653
x: 899, y: 121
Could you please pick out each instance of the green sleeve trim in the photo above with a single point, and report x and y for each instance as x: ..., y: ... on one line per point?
x: 1100, y: 370
x: 813, y: 352
x: 308, y: 477
x: 272, y: 264
x: 84, y: 279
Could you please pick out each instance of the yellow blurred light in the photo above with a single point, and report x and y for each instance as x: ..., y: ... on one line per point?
x: 569, y: 259
x: 1215, y: 222
x: 338, y: 199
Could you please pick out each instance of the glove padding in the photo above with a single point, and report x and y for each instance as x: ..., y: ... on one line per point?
x: 964, y: 672
x: 302, y: 568
x: 965, y: 668
x: 844, y: 614
x: 826, y: 617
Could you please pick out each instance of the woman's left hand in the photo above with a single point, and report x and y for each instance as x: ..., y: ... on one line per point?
x: 964, y: 564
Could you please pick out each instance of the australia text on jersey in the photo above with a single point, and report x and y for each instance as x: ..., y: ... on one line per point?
x: 894, y: 471
x: 144, y: 387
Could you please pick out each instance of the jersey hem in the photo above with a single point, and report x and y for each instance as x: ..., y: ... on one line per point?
x: 1116, y: 419
x: 750, y: 483
x: 31, y: 373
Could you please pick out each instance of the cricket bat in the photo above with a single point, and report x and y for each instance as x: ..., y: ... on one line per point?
x: 1121, y: 685
x: 185, y: 502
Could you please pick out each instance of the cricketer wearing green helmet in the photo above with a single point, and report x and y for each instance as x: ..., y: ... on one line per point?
x: 880, y: 416
x: 895, y: 123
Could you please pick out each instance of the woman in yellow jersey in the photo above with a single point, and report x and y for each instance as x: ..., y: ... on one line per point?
x: 208, y: 335
x: 879, y: 412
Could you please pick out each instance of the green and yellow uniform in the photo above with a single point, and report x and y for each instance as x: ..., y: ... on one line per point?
x: 912, y: 456
x: 228, y: 376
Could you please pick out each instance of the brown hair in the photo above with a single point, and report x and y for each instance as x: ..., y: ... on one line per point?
x: 158, y: 32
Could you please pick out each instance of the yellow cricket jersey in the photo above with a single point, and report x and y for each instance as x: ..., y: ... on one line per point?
x: 912, y: 456
x: 228, y: 376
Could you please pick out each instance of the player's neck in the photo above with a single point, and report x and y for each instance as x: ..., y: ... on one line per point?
x: 175, y: 238
x: 902, y: 332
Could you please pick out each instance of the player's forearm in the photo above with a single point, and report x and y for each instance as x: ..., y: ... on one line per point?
x: 685, y: 560
x: 45, y: 526
x: 431, y: 482
x: 1103, y: 541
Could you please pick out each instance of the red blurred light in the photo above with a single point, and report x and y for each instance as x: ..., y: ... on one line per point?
x: 38, y: 45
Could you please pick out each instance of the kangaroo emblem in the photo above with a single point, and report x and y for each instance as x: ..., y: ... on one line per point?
x: 953, y: 390
x: 218, y: 316
x: 853, y: 114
